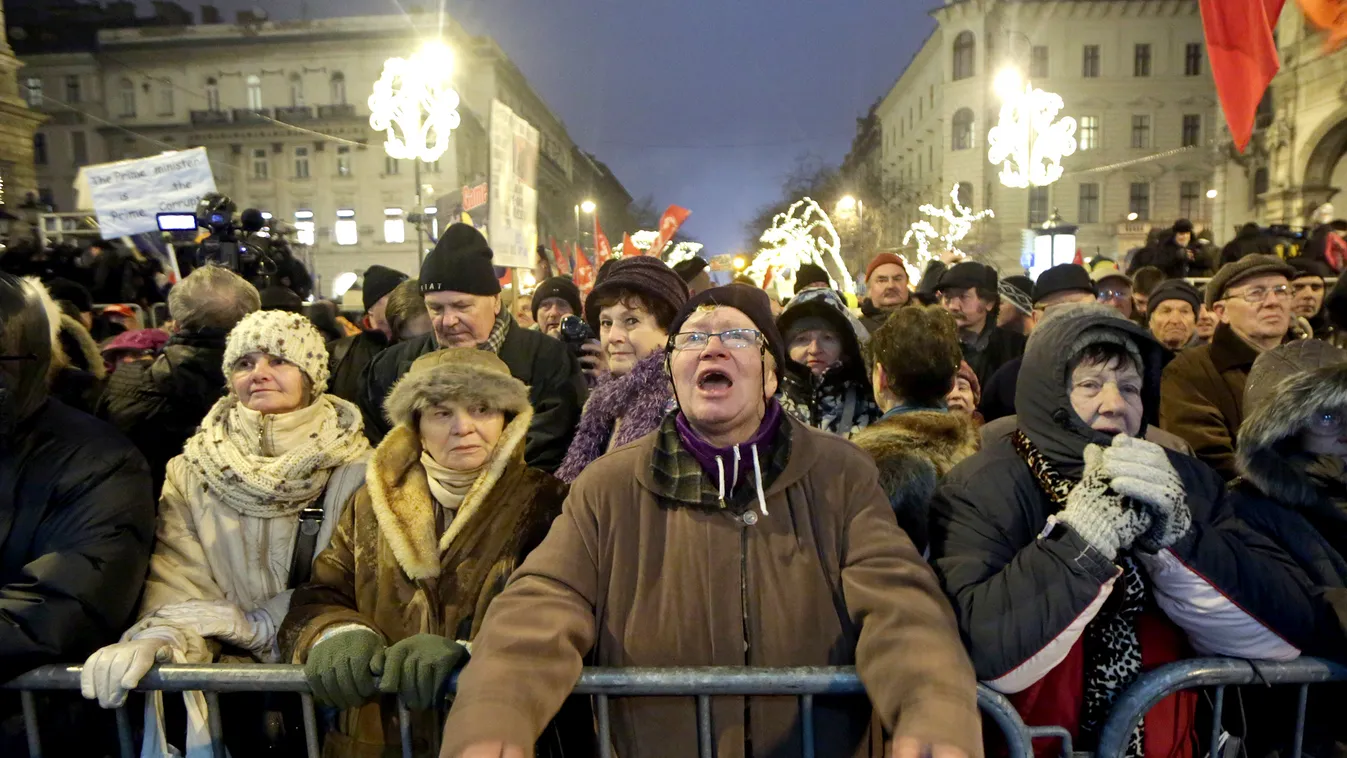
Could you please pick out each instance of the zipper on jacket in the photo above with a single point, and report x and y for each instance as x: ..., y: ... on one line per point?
x: 262, y: 436
x: 743, y: 611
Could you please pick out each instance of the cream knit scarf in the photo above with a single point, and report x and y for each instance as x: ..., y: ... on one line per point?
x: 447, y: 486
x: 273, y: 483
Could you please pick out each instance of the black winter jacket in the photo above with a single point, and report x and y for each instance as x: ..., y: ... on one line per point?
x: 1177, y: 262
x: 159, y: 405
x: 1017, y: 589
x: 1003, y: 346
x: 77, y: 528
x: 556, y: 389
x: 347, y: 360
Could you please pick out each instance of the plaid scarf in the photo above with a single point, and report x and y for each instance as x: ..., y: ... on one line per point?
x: 498, y: 331
x: 680, y: 479
x: 1110, y: 643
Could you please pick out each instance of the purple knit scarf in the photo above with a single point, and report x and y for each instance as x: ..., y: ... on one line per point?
x: 706, y: 453
x: 638, y: 399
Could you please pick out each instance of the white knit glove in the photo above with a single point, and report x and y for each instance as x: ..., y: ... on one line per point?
x: 111, y: 672
x: 1140, y: 469
x: 253, y: 631
x: 1100, y: 516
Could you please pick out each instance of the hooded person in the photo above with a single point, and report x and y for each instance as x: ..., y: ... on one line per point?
x: 918, y: 362
x: 256, y: 493
x: 826, y: 383
x: 348, y: 357
x: 735, y: 494
x: 448, y: 511
x: 1125, y: 545
x: 80, y: 376
x: 630, y: 308
x: 466, y: 310
x: 76, y: 519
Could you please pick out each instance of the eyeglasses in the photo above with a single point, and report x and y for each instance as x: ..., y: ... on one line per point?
x: 1111, y: 294
x: 1259, y: 294
x: 733, y: 339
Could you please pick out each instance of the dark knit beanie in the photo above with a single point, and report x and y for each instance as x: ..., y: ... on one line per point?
x: 557, y: 286
x: 811, y: 273
x: 1309, y: 267
x: 649, y: 277
x: 379, y: 281
x: 460, y: 262
x: 750, y: 301
x: 690, y: 268
x: 1174, y: 289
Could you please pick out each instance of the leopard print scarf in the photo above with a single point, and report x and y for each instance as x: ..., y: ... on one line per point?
x: 1110, y: 643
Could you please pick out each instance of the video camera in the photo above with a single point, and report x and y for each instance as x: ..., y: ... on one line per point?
x: 245, y: 247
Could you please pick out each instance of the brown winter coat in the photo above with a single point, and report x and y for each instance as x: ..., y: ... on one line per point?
x: 385, y: 569
x: 1202, y: 397
x: 913, y: 452
x: 634, y: 574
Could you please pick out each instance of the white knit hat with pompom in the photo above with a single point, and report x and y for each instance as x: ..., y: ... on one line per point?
x: 284, y: 335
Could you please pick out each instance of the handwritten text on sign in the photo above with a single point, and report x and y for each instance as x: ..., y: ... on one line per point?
x: 127, y: 195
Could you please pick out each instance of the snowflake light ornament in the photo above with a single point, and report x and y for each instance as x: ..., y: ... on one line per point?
x: 1028, y: 142
x: 958, y: 222
x: 414, y: 104
x: 803, y: 234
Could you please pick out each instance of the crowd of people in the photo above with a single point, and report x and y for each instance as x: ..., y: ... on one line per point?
x: 1048, y: 486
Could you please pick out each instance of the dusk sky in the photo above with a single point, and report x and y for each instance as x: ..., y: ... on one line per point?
x: 703, y: 103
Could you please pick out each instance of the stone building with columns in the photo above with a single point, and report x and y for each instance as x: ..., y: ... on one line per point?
x: 18, y: 124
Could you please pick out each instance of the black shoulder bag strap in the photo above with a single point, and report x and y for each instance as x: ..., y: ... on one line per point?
x: 306, y: 543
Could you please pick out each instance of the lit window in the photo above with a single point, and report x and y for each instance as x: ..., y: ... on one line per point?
x: 33, y: 85
x: 346, y: 232
x: 304, y: 227
x: 1088, y: 134
x: 395, y: 231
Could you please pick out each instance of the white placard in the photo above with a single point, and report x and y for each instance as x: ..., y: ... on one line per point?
x: 127, y: 195
x: 512, y: 216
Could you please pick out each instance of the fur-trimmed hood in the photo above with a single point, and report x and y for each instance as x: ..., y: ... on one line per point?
x: 400, y: 493
x: 92, y: 356
x: 1269, y: 454
x: 465, y: 376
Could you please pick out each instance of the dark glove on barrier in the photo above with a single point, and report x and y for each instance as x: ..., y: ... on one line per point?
x: 417, y: 668
x: 339, y: 668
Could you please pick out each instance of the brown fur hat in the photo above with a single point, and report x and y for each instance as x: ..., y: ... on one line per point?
x: 462, y: 375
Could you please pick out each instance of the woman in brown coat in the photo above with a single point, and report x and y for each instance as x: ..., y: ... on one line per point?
x: 449, y: 509
x: 732, y: 536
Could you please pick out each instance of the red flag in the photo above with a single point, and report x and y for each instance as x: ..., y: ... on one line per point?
x: 629, y: 249
x: 1079, y: 260
x: 509, y: 277
x: 1329, y: 15
x: 1243, y: 57
x: 668, y: 227
x: 602, y: 250
x: 562, y: 268
x: 584, y: 273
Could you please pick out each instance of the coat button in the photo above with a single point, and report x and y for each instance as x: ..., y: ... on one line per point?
x: 750, y: 518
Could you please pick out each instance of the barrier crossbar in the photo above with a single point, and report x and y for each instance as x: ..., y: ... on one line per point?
x: 1152, y: 687
x: 602, y: 684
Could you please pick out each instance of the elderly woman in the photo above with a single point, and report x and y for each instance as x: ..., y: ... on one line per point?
x: 826, y: 384
x: 630, y: 309
x: 448, y: 511
x: 1123, y: 544
x: 679, y: 551
x: 255, y: 495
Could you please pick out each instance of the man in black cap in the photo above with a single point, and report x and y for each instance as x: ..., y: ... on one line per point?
x: 693, y: 273
x: 968, y: 291
x: 554, y: 300
x: 1307, y: 294
x: 348, y: 357
x: 464, y: 302
x: 1178, y: 256
x: 1171, y: 314
x: 1063, y: 283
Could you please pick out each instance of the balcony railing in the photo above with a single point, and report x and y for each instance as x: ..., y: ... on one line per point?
x: 294, y: 113
x: 345, y: 110
x: 209, y: 118
x: 251, y: 115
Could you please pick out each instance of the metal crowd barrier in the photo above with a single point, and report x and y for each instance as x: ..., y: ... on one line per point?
x: 603, y: 684
x: 1220, y: 673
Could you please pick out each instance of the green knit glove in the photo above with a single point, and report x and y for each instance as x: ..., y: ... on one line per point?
x: 339, y: 668
x: 417, y: 668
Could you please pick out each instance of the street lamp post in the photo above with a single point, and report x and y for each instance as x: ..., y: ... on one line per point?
x: 588, y: 207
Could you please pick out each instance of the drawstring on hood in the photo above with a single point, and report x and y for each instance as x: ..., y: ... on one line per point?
x: 740, y: 457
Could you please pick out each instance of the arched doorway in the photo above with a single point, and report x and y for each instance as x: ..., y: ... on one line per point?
x: 1326, y: 168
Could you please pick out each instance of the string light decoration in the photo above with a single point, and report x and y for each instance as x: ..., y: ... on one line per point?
x: 958, y: 222
x: 414, y: 104
x: 803, y: 234
x: 1029, y: 141
x: 643, y: 239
